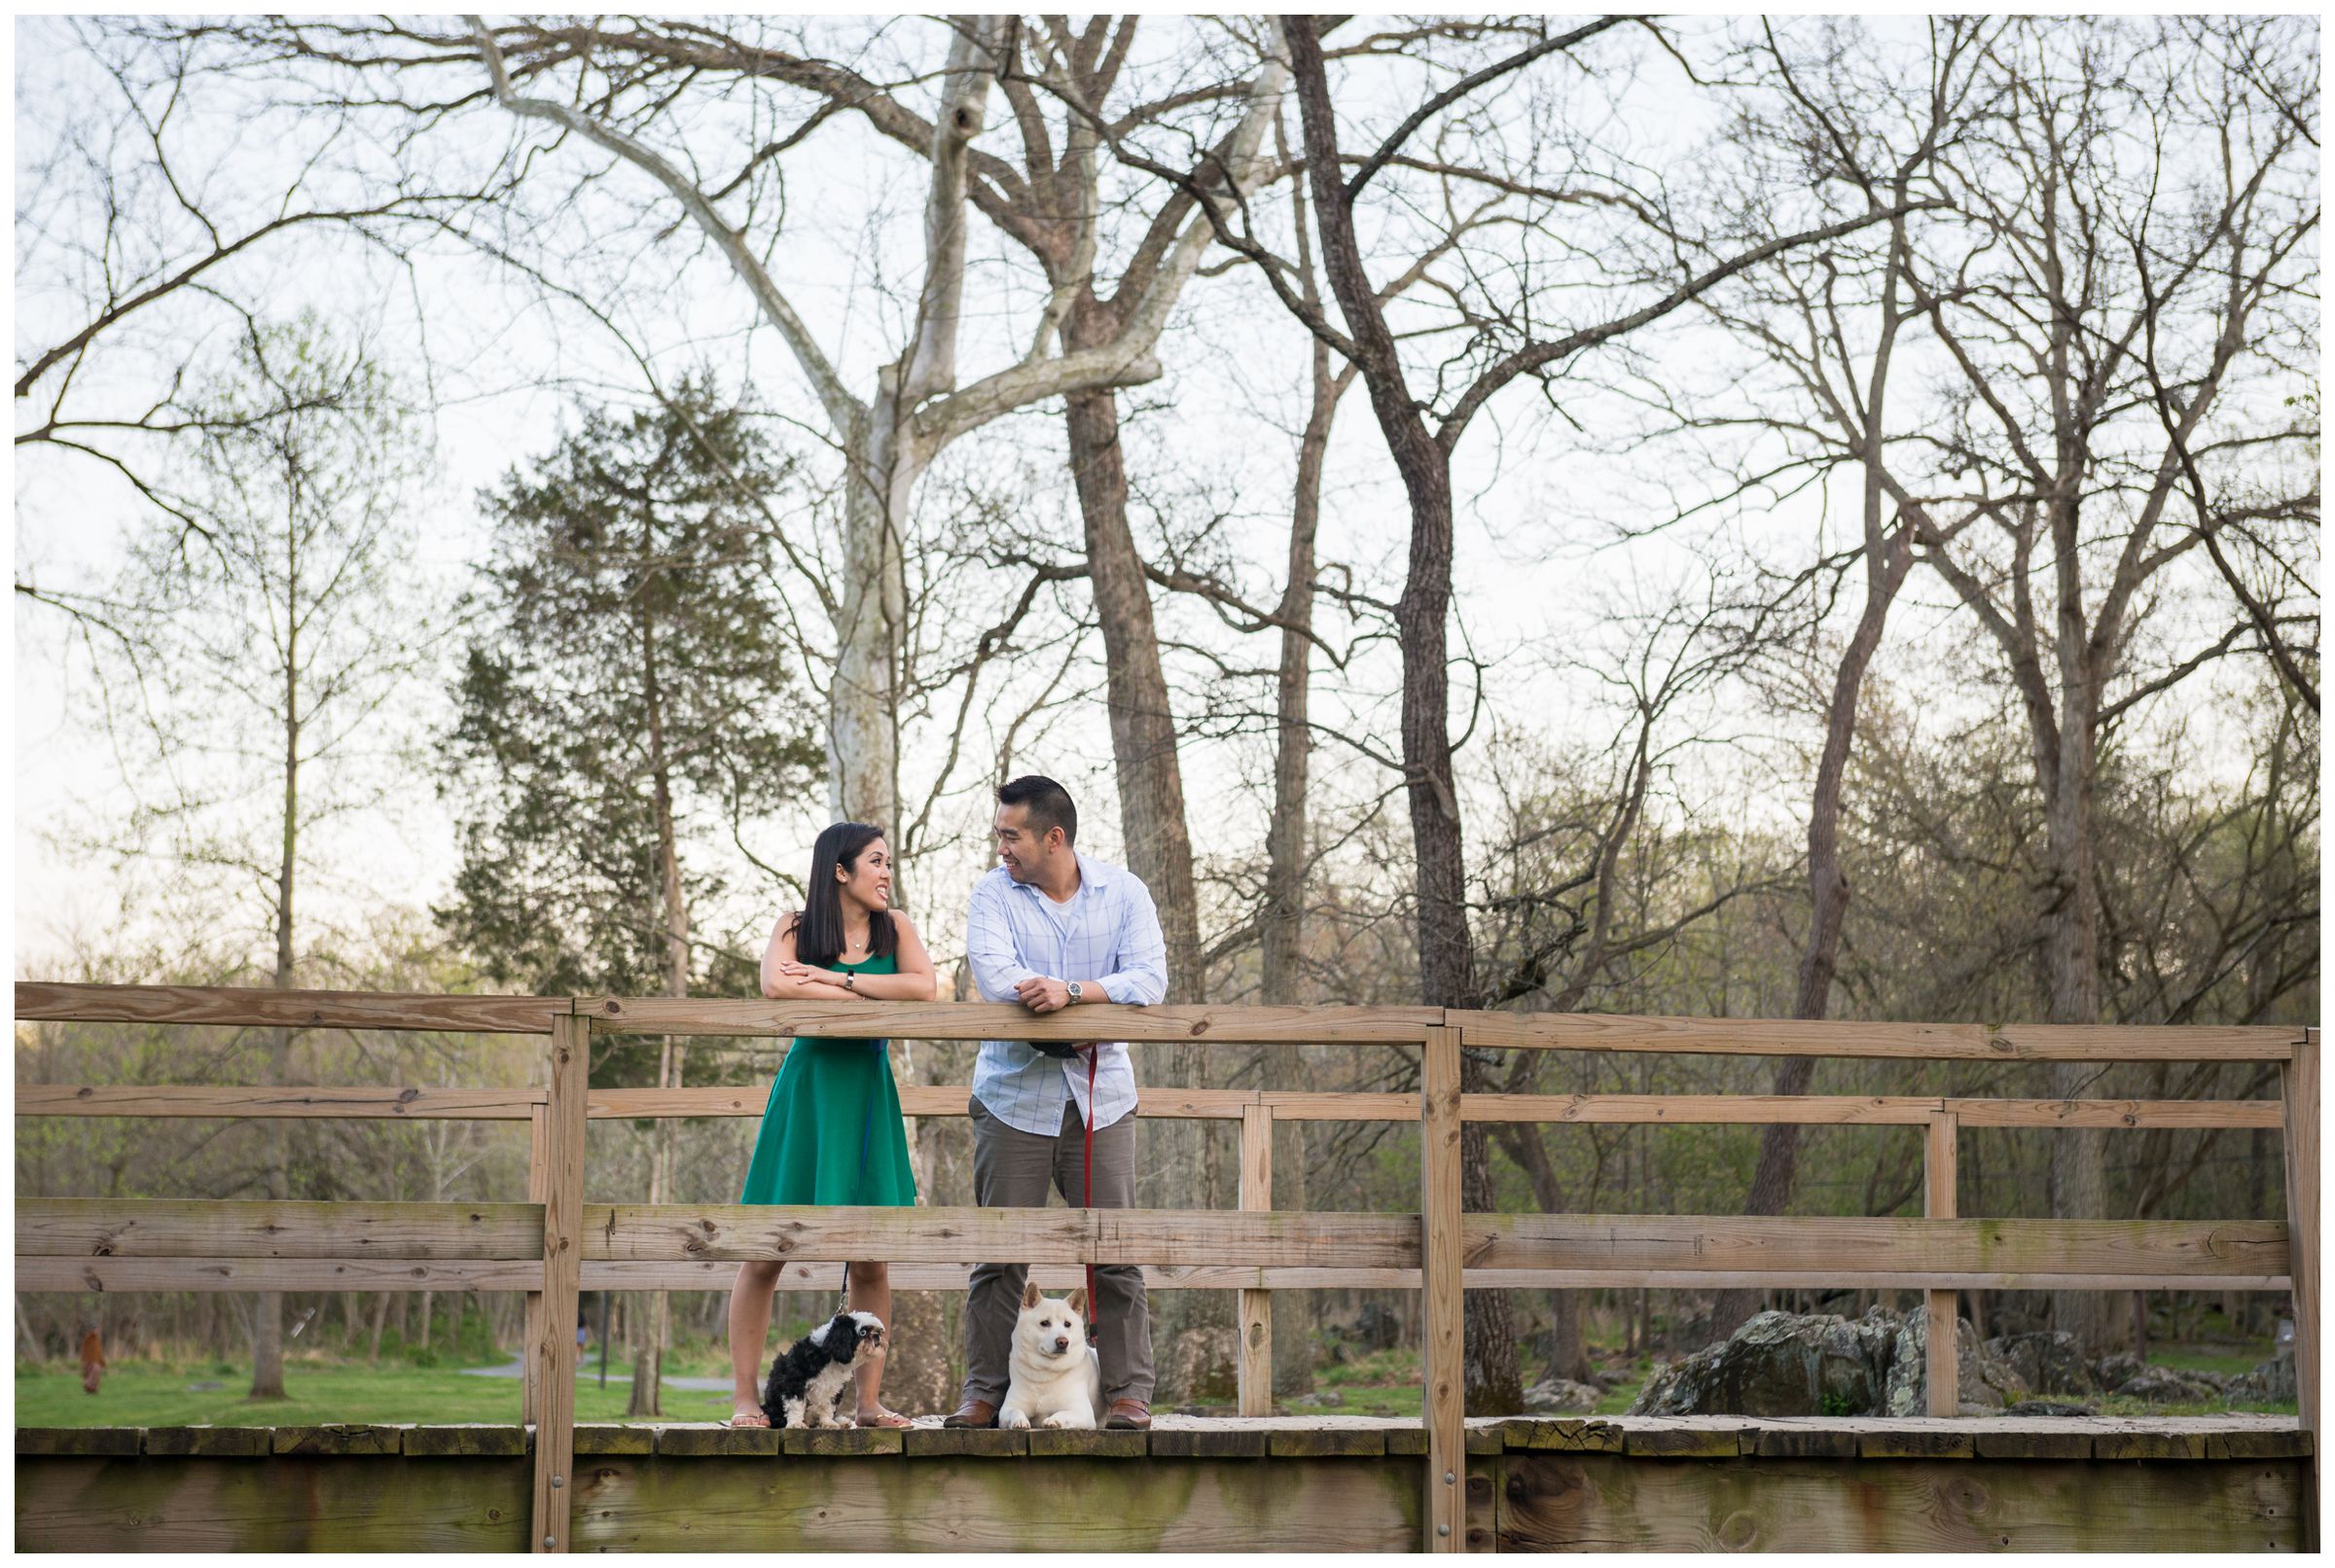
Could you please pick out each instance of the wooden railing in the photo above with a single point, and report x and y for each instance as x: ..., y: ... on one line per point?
x: 554, y: 1245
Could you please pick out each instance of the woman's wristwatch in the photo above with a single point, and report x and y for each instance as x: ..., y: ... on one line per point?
x: 851, y: 981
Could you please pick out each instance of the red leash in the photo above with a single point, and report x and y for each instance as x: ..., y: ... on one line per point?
x: 1088, y: 1196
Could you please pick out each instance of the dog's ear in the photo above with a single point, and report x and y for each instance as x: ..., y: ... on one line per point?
x: 1029, y: 1296
x: 1077, y: 1300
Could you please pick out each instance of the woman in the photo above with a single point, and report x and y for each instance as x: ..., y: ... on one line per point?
x: 832, y: 1132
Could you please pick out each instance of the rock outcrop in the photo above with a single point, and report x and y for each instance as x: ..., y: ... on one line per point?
x: 2168, y: 1386
x: 1787, y: 1364
x: 2270, y: 1383
x: 1559, y: 1396
x: 2048, y: 1361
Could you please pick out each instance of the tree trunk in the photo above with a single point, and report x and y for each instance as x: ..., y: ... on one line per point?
x: 1777, y: 1170
x: 381, y: 1319
x: 1282, y: 937
x: 1446, y: 962
x: 1143, y: 739
x: 1184, y: 1161
x: 862, y: 708
x: 268, y: 1307
x: 2078, y: 1177
x: 648, y: 1362
x: 1285, y: 838
x: 1568, y: 1351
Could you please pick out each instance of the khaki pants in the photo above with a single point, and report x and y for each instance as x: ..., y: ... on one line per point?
x: 1013, y: 1169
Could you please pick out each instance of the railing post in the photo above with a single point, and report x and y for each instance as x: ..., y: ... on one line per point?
x: 1942, y: 1372
x: 554, y: 1352
x: 1441, y: 1293
x: 539, y: 1177
x: 1256, y: 1306
x: 2298, y: 1093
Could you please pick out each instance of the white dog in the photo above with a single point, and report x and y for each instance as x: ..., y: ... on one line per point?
x: 1056, y: 1380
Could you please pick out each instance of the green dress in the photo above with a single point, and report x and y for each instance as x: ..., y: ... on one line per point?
x: 833, y: 1133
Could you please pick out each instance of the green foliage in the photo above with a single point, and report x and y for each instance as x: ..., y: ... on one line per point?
x: 630, y: 664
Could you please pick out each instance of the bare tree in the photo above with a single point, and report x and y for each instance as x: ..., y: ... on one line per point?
x: 138, y: 236
x: 1851, y: 131
x: 1501, y: 340
x: 2148, y: 192
x: 265, y: 653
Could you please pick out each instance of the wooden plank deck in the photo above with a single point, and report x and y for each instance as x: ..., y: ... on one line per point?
x: 1319, y: 1482
x: 1327, y: 1434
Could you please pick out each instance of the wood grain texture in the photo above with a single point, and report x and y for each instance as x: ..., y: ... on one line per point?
x: 464, y: 1439
x: 79, y: 1440
x: 1057, y: 1278
x: 738, y: 1232
x: 250, y: 1007
x: 393, y: 1104
x: 1688, y: 1109
x: 289, y: 1503
x: 950, y: 1503
x: 985, y: 1020
x: 2299, y: 1099
x: 1783, y: 1037
x: 217, y: 1228
x: 1061, y: 1277
x: 1751, y: 1110
x: 1255, y: 1353
x: 1614, y: 1502
x: 2232, y: 1436
x: 1942, y: 1361
x: 342, y: 1438
x: 1443, y: 1519
x: 567, y: 1068
x: 918, y: 1100
x: 531, y: 1329
x: 211, y: 1441
x: 2114, y: 1112
x: 2163, y: 1249
x: 1853, y: 1279
x: 76, y: 1274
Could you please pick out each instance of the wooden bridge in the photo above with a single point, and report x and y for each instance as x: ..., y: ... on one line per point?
x: 1443, y: 1484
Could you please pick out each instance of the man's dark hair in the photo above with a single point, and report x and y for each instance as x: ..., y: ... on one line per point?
x: 1049, y: 805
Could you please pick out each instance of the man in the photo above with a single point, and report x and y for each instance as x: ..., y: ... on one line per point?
x: 1051, y: 929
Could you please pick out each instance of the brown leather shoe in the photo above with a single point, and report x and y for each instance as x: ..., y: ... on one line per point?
x: 1129, y: 1415
x: 973, y: 1413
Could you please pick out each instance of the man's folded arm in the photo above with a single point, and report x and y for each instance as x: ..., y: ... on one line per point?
x: 990, y: 947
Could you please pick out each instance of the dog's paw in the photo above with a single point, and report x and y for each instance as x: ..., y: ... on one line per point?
x: 1014, y: 1420
x: 1057, y: 1420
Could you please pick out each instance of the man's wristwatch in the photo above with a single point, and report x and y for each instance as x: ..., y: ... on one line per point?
x: 1075, y: 992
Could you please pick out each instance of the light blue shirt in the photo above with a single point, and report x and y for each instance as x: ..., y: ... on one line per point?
x: 1107, y: 938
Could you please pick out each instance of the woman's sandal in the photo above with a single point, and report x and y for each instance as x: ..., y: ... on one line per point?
x: 749, y: 1420
x: 888, y: 1419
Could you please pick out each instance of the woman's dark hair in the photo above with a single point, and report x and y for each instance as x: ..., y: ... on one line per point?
x: 1049, y: 805
x: 819, y: 931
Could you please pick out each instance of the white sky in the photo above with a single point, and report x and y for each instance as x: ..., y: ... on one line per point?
x: 1533, y: 583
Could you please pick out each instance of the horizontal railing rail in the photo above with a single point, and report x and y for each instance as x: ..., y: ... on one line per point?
x: 554, y: 1245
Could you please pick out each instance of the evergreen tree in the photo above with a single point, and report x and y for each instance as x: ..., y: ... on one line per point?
x: 629, y: 691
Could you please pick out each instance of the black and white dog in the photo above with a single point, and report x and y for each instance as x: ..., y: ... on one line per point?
x: 806, y: 1380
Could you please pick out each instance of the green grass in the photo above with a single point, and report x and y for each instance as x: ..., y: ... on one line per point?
x: 146, y: 1394
x: 2231, y: 1362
